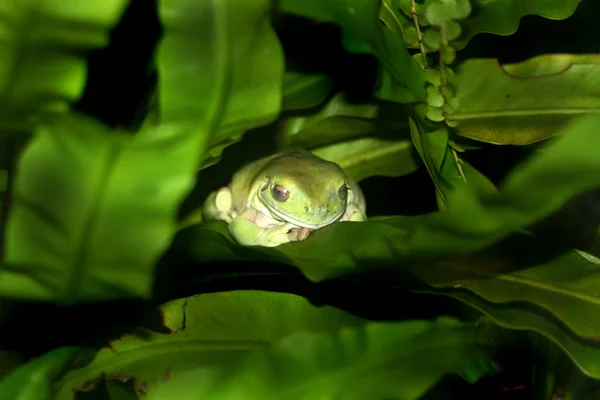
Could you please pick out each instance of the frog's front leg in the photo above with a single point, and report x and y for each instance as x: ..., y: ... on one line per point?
x: 354, y: 213
x: 245, y: 229
x: 219, y: 206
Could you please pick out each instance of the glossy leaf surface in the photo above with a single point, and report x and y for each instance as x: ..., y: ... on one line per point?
x: 35, y: 379
x: 210, y: 330
x: 526, y: 102
x: 42, y: 67
x: 502, y: 17
x: 379, y: 360
x: 248, y: 65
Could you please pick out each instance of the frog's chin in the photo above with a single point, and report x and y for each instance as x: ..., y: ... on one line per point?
x: 278, y: 214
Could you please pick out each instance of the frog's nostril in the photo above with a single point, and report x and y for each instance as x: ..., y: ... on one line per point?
x: 306, y: 209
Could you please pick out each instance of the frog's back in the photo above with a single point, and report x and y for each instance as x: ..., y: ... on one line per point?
x: 245, y: 181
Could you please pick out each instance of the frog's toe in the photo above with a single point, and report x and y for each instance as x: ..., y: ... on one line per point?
x: 223, y: 200
x: 297, y: 234
x: 303, y: 233
x: 358, y: 216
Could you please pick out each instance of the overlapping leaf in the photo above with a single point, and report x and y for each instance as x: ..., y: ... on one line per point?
x: 365, y: 139
x: 502, y: 17
x: 526, y: 102
x: 560, y: 286
x: 241, y: 34
x: 42, y: 43
x: 211, y: 330
x: 363, y: 32
x: 337, y: 121
x: 379, y: 360
x: 585, y: 354
x: 77, y: 229
x: 36, y: 379
x: 472, y: 17
x: 302, y: 91
x: 366, y: 157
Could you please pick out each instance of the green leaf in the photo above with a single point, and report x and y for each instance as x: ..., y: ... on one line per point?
x: 432, y: 145
x: 248, y: 60
x: 110, y: 390
x: 585, y: 355
x: 35, y: 379
x: 151, y: 358
x: 302, y: 91
x: 366, y: 157
x: 363, y: 32
x: 341, y: 120
x: 526, y: 102
x: 42, y: 49
x: 76, y: 229
x: 475, y: 218
x: 219, y: 329
x: 379, y: 360
x: 561, y: 285
x: 394, y: 20
x: 8, y: 362
x: 502, y: 17
x: 254, y: 315
x: 78, y: 185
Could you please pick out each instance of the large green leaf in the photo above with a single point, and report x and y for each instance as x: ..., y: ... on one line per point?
x: 241, y: 36
x: 8, y: 362
x: 476, y: 217
x: 35, y: 380
x: 92, y: 211
x: 42, y: 47
x: 150, y: 359
x: 301, y: 91
x: 526, y: 102
x: 503, y: 16
x: 342, y: 120
x: 366, y: 157
x: 251, y: 315
x: 561, y: 286
x: 211, y: 330
x: 363, y: 32
x: 365, y: 139
x: 379, y: 360
x: 586, y: 355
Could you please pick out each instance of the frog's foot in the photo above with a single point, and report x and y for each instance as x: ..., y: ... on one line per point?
x: 248, y: 233
x: 297, y: 234
x: 354, y: 213
x: 219, y: 206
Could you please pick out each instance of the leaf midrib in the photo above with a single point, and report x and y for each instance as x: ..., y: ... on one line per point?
x: 522, y: 112
x: 373, y: 364
x: 94, y: 370
x: 80, y: 260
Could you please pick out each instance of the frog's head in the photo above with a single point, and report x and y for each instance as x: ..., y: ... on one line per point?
x: 304, y: 190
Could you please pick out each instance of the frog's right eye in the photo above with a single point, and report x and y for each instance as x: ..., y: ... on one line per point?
x: 280, y: 193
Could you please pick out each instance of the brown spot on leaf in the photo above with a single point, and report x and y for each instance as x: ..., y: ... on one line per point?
x: 104, y: 378
x: 166, y: 376
x: 141, y: 388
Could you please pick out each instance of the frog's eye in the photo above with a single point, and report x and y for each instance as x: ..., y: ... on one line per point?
x: 280, y: 193
x: 343, y: 191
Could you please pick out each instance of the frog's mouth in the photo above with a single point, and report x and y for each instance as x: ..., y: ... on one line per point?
x: 301, y: 224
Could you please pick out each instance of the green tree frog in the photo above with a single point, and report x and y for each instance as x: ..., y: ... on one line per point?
x: 283, y: 197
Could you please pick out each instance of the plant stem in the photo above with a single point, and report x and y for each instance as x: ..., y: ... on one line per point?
x: 413, y: 11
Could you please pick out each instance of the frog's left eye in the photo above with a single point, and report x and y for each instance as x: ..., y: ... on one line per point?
x: 343, y: 191
x: 280, y: 193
